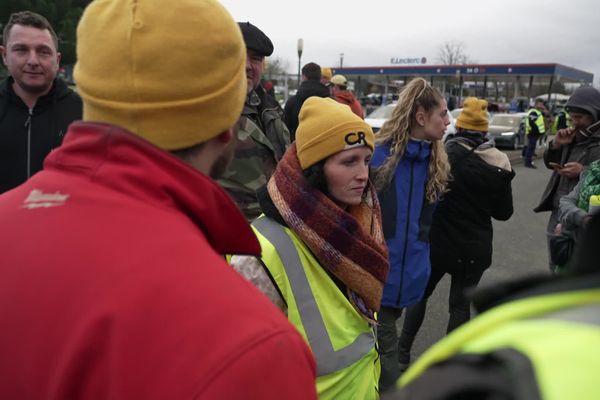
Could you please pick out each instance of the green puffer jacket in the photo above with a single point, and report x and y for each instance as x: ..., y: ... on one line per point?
x: 574, y: 206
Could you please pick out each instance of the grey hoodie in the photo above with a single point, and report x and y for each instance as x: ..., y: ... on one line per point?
x: 586, y: 98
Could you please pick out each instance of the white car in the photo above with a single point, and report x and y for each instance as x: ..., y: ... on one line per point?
x: 379, y: 116
x: 383, y: 113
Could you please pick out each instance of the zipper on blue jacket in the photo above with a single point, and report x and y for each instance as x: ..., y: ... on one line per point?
x: 406, y: 229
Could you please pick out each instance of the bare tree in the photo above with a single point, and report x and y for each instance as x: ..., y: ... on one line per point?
x: 276, y: 66
x: 453, y: 52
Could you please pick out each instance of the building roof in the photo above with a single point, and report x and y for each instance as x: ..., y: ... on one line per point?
x: 558, y: 71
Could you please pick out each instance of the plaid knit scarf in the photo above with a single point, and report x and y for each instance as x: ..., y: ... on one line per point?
x: 347, y: 243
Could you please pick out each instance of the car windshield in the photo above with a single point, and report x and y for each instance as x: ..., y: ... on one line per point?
x: 505, y: 120
x: 382, y: 112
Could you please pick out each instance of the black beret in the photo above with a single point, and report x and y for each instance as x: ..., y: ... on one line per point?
x: 256, y: 39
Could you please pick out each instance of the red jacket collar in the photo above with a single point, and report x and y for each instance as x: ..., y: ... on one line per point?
x: 120, y: 160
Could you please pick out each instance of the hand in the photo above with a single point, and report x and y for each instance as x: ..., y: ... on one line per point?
x: 570, y: 170
x: 564, y: 136
x: 557, y: 229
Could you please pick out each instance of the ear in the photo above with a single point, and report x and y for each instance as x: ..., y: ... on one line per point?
x: 225, y: 136
x: 58, y: 55
x: 420, y: 118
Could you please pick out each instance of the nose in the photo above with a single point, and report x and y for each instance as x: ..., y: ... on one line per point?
x: 32, y: 58
x: 363, y: 173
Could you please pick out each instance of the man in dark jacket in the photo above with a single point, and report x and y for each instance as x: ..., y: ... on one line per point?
x: 571, y: 151
x: 35, y: 106
x: 461, y: 231
x: 311, y: 86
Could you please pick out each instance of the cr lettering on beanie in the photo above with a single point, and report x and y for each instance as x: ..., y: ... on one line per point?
x: 474, y: 116
x: 327, y: 127
x: 174, y: 75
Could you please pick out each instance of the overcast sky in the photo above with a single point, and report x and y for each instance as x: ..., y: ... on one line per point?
x: 371, y: 32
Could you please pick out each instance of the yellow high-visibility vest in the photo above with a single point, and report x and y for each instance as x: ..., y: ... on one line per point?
x: 559, y: 333
x: 539, y: 122
x: 342, y: 342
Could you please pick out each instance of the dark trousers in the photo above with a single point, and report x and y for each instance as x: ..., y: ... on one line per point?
x: 464, y: 275
x: 387, y: 343
x: 529, y: 150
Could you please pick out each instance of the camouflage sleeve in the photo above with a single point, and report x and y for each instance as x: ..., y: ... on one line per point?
x: 244, y: 198
x: 252, y: 165
x: 253, y: 270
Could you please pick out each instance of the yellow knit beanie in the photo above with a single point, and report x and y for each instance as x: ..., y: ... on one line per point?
x: 474, y: 116
x: 326, y: 73
x: 327, y: 127
x: 172, y: 73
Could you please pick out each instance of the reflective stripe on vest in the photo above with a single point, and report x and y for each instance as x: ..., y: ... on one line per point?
x: 328, y: 360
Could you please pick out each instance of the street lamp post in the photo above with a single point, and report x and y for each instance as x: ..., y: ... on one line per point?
x: 300, y: 48
x: 341, y: 60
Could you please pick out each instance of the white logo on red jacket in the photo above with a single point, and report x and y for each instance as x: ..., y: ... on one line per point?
x: 39, y: 199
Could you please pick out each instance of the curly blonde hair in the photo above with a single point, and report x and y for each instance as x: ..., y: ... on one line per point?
x: 396, y: 132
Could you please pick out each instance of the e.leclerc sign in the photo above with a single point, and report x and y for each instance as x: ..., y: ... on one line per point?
x: 408, y: 60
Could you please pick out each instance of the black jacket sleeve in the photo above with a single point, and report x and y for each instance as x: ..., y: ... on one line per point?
x: 290, y: 115
x: 502, y: 208
x: 531, y: 118
x: 553, y: 155
x: 562, y: 121
x: 501, y: 375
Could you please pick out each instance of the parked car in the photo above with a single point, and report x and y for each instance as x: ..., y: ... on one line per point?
x: 383, y: 113
x: 508, y: 130
x: 379, y: 116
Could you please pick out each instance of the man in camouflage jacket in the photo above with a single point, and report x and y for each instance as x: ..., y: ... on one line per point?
x: 263, y: 136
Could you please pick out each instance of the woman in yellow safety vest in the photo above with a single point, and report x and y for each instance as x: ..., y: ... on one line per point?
x: 324, y: 259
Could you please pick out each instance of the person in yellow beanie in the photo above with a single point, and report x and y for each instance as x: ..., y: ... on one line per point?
x: 113, y: 283
x: 461, y: 231
x: 474, y: 116
x: 326, y: 75
x: 324, y: 260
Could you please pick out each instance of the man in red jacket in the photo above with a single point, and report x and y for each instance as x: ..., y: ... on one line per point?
x: 340, y: 92
x: 112, y: 283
